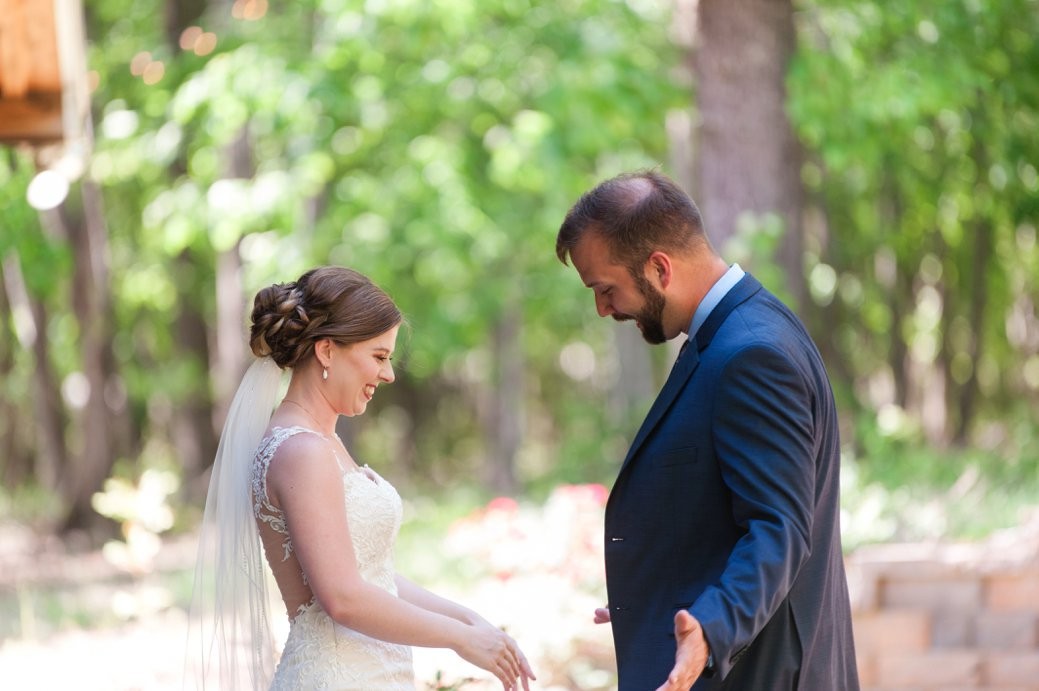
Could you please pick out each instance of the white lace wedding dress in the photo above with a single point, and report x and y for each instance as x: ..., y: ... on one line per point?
x: 319, y: 653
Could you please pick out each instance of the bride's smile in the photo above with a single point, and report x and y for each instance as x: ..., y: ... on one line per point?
x: 360, y: 368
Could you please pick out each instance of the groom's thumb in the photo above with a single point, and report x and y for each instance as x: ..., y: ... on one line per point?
x: 684, y: 622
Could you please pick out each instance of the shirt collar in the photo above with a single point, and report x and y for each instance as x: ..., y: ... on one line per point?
x: 718, y: 291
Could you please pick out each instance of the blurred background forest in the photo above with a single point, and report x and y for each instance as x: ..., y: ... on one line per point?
x: 873, y: 163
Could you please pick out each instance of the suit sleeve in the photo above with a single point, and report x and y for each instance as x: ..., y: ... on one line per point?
x: 764, y: 442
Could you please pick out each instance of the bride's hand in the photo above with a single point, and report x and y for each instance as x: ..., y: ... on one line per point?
x: 602, y: 615
x: 494, y: 650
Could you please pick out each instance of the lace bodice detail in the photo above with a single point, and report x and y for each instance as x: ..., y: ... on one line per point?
x: 320, y: 653
x: 373, y: 510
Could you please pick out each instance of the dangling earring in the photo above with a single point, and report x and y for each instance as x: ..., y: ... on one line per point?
x: 324, y: 374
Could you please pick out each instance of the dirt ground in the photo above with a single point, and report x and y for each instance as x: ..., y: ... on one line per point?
x: 147, y: 655
x: 43, y: 646
x: 37, y: 652
x: 143, y: 655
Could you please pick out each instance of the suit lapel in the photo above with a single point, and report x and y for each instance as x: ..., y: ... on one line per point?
x: 683, y: 368
x: 686, y: 364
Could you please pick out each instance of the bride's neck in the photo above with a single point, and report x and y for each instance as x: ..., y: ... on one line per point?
x: 313, y: 409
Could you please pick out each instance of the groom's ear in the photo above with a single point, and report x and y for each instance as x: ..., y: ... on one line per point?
x: 659, y: 270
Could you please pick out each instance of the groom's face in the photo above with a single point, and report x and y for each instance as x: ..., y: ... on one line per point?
x: 619, y: 292
x: 650, y: 318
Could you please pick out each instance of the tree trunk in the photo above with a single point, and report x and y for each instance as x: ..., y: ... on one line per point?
x: 192, y: 433
x: 228, y: 359
x: 967, y: 394
x: 891, y: 274
x: 180, y: 14
x: 749, y: 160
x: 51, y: 453
x: 816, y: 224
x: 503, y: 421
x: 899, y: 298
x: 193, y: 426
x: 101, y: 416
x: 978, y: 295
x: 15, y: 464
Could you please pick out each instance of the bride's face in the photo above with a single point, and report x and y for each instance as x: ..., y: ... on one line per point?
x: 359, y: 368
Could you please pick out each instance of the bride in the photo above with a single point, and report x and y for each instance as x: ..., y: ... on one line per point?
x: 327, y: 526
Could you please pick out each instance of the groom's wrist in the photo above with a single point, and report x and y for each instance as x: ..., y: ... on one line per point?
x: 708, y: 668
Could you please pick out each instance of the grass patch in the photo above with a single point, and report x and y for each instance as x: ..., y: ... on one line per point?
x: 902, y: 490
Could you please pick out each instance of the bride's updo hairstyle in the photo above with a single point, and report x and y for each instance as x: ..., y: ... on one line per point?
x: 328, y: 302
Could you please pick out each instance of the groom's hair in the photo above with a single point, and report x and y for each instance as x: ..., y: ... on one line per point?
x: 637, y: 213
x: 327, y: 302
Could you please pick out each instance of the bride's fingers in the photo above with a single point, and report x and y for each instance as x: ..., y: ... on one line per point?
x: 508, y: 682
x: 527, y: 671
x: 514, y: 664
x: 508, y: 656
x: 519, y: 658
x: 520, y: 665
x: 511, y: 664
x: 523, y: 681
x: 511, y: 667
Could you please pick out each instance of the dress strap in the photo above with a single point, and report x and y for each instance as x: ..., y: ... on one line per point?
x: 265, y: 453
x: 269, y: 446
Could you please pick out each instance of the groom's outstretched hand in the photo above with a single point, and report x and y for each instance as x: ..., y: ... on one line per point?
x: 690, y: 654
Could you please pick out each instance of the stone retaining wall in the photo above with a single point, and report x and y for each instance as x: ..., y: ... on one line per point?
x: 948, y: 617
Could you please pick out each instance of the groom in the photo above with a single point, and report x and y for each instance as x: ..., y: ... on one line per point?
x: 723, y: 544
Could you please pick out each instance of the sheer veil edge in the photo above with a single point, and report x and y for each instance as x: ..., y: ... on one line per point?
x: 230, y: 642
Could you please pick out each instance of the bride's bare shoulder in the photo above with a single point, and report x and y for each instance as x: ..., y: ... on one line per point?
x: 305, y: 451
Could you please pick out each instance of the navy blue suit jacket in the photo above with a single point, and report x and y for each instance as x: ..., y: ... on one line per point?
x: 727, y: 505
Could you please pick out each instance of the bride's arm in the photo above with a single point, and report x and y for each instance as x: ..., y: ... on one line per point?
x: 430, y: 601
x: 305, y: 482
x: 304, y: 479
x: 420, y: 597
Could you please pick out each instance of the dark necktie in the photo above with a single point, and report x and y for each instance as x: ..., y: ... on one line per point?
x: 681, y: 351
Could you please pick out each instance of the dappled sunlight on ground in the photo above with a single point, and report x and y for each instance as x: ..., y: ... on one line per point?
x: 146, y: 655
x: 536, y: 571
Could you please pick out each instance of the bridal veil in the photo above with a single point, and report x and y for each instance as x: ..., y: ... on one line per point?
x: 230, y: 642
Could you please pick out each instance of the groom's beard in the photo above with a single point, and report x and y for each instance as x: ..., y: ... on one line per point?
x: 651, y: 316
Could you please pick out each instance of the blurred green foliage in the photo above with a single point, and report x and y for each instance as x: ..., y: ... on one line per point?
x: 436, y: 145
x: 922, y: 199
